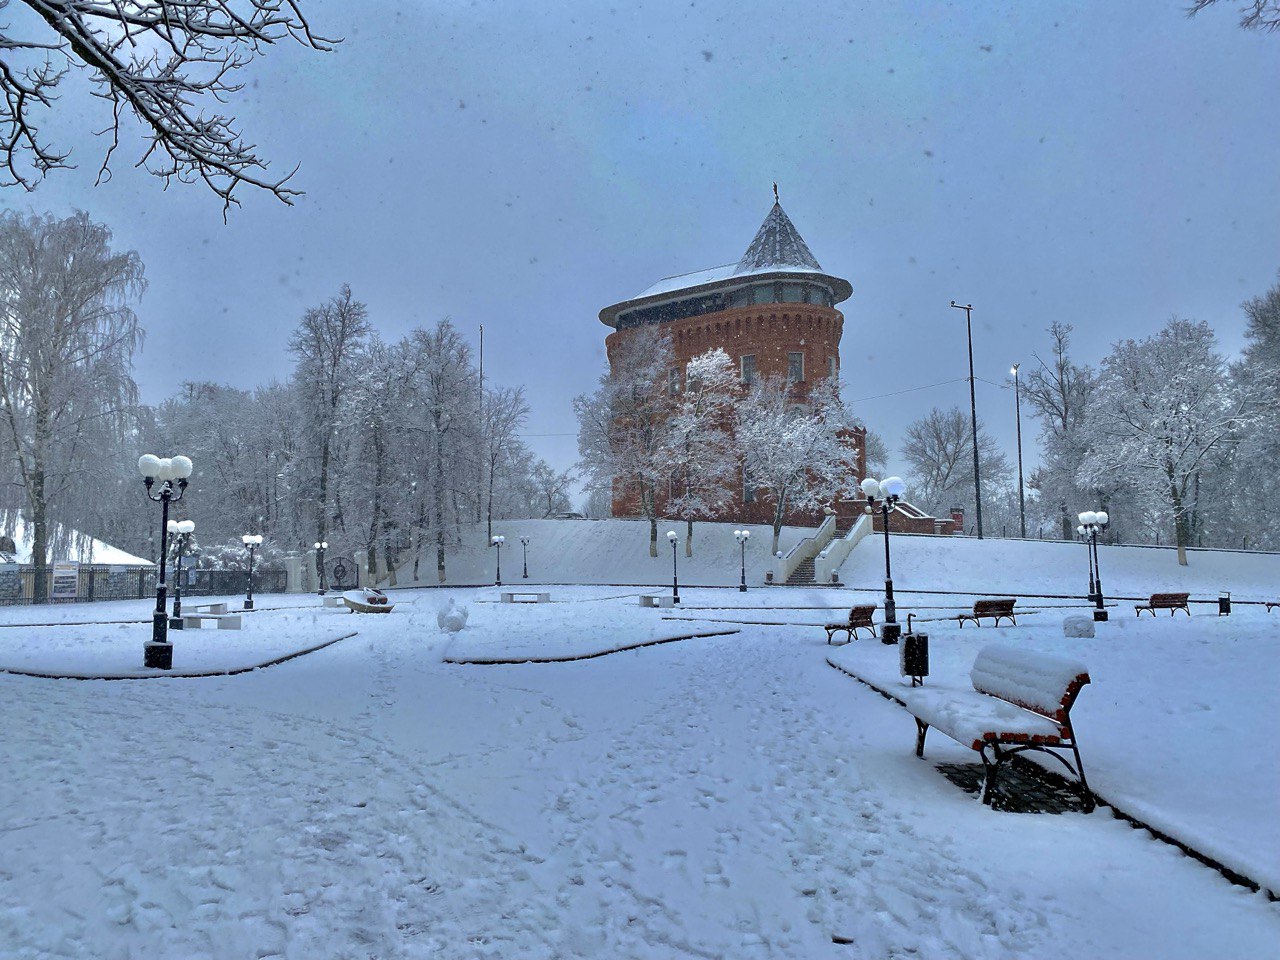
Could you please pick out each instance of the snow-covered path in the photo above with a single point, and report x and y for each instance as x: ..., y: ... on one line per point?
x: 720, y: 797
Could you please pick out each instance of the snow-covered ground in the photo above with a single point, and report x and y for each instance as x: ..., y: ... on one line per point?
x: 726, y: 796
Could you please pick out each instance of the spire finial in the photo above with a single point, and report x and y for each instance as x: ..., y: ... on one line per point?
x: 775, y: 191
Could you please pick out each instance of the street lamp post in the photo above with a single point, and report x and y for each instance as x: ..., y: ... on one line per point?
x: 320, y: 547
x: 742, y: 536
x: 1093, y: 522
x: 252, y: 541
x: 973, y: 413
x: 524, y: 552
x: 887, y: 492
x: 182, y: 529
x: 1017, y: 414
x: 172, y: 474
x: 675, y: 571
x: 498, y: 542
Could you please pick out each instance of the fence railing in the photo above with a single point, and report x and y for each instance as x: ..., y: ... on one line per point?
x: 80, y: 583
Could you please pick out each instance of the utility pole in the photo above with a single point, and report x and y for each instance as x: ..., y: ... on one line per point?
x: 973, y: 412
x: 1017, y: 409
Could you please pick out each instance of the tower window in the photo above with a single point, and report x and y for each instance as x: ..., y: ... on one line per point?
x: 673, y: 381
x: 748, y: 487
x: 831, y: 367
x: 749, y: 369
x: 795, y: 367
x: 792, y: 293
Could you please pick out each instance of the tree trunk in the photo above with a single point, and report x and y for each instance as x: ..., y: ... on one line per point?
x: 1180, y: 525
x: 39, y: 507
x: 646, y: 501
x: 322, y: 517
x: 778, y: 513
x: 439, y: 501
x: 688, y: 537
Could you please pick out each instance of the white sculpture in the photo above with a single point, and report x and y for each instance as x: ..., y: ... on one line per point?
x: 451, y: 617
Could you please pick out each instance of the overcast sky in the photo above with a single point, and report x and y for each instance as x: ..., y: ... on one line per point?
x: 521, y: 165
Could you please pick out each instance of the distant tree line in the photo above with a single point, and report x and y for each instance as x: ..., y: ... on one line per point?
x: 1178, y: 444
x: 392, y: 448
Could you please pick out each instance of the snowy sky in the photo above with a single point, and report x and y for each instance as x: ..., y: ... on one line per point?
x: 508, y: 164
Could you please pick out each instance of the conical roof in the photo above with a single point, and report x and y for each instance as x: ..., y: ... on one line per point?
x: 777, y: 244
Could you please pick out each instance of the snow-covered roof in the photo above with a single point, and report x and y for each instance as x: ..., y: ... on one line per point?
x: 777, y: 250
x: 77, y: 547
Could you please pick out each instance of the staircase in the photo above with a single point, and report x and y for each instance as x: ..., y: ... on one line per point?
x: 803, y: 575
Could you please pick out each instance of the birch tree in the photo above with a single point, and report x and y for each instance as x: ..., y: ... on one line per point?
x: 703, y: 450
x: 67, y: 338
x: 798, y: 455
x: 1164, y: 406
x: 623, y: 426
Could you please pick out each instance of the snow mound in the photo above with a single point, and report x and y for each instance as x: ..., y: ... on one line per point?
x: 1078, y: 626
x: 452, y: 617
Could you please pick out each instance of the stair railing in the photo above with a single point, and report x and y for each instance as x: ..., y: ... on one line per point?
x: 807, y: 549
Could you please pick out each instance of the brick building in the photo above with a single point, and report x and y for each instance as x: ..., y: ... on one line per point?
x: 774, y: 312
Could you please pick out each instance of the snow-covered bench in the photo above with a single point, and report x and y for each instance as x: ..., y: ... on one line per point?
x: 208, y: 607
x: 1271, y: 604
x: 656, y: 600
x: 859, y: 619
x: 532, y: 597
x: 994, y: 608
x: 1173, y: 602
x: 224, y: 621
x: 1021, y: 700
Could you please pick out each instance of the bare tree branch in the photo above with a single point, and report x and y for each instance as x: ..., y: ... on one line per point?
x: 169, y: 63
x: 1254, y: 15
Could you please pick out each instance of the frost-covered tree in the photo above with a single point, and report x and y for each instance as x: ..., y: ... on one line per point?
x: 170, y: 64
x: 797, y: 455
x: 328, y: 345
x: 623, y: 427
x: 1164, y: 407
x: 443, y: 386
x: 938, y: 448
x: 67, y: 338
x: 504, y: 414
x: 704, y: 453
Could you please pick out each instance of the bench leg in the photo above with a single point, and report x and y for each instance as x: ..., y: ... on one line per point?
x: 921, y: 729
x: 1086, y: 795
x: 991, y: 771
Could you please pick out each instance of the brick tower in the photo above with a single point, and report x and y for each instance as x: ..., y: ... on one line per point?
x: 773, y: 311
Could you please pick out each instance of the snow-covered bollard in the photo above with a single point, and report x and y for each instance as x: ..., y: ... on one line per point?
x: 1078, y: 626
x: 451, y: 618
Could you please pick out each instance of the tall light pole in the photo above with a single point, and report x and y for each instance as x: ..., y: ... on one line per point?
x: 1092, y: 523
x: 320, y: 547
x: 524, y: 550
x: 973, y: 413
x: 498, y: 542
x: 1017, y: 414
x: 742, y: 536
x: 252, y: 541
x: 675, y: 571
x: 182, y: 530
x: 172, y: 473
x: 887, y: 491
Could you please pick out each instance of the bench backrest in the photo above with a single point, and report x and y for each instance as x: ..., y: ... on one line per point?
x: 1041, y: 682
x: 1165, y: 599
x: 862, y: 613
x: 994, y: 606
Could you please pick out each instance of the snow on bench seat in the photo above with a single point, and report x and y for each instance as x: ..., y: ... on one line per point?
x: 973, y: 718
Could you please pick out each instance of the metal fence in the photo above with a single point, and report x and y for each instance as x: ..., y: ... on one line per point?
x: 77, y: 583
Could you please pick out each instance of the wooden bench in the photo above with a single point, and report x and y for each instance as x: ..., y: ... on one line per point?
x: 1021, y: 701
x: 1173, y: 602
x: 208, y: 607
x: 516, y: 597
x: 656, y: 600
x: 224, y: 621
x: 996, y: 608
x: 859, y: 619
